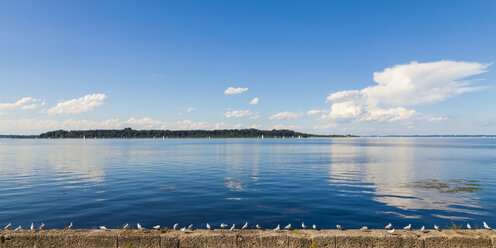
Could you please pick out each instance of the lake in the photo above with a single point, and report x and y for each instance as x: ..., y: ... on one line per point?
x: 348, y: 181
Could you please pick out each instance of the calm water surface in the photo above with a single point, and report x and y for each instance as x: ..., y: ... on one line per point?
x: 352, y: 182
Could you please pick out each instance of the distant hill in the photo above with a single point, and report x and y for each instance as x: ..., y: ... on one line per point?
x: 226, y: 133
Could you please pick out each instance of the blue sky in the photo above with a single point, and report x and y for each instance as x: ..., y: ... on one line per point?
x: 311, y: 64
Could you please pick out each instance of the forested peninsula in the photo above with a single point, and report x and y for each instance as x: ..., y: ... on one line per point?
x: 225, y: 133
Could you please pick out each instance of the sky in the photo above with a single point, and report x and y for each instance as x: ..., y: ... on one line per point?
x: 324, y: 67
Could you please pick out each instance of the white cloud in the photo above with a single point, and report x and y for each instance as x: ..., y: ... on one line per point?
x: 325, y: 127
x: 401, y: 86
x: 191, y: 109
x: 285, y: 116
x: 238, y: 113
x: 437, y: 119
x: 23, y: 104
x: 254, y: 101
x: 255, y: 116
x: 234, y: 91
x: 316, y: 112
x: 80, y: 105
x: 290, y: 127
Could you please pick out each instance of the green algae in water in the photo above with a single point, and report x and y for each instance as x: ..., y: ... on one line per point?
x: 449, y: 186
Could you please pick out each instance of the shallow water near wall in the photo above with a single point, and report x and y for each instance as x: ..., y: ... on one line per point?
x: 347, y: 181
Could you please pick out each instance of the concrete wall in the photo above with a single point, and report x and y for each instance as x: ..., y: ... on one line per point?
x: 245, y: 238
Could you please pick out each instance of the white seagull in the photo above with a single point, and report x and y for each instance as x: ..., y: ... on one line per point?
x: 7, y: 226
x: 339, y: 227
x: 436, y: 227
x: 190, y: 227
x: 32, y: 226
x: 409, y: 227
x: 486, y: 226
x: 258, y: 226
x: 391, y: 231
x: 288, y: 226
x: 277, y: 228
x: 303, y: 225
x: 245, y: 225
x: 233, y: 227
x: 126, y: 226
x: 222, y: 225
x: 389, y: 226
x: 41, y: 226
x: 156, y: 227
x: 183, y: 229
x: 103, y: 228
x: 422, y: 229
x: 18, y: 228
x: 175, y: 226
x: 364, y: 228
x: 468, y: 226
x: 314, y: 227
x: 70, y: 226
x: 208, y: 226
x: 140, y: 227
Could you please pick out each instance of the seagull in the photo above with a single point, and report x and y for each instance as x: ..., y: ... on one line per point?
x: 314, y: 226
x: 208, y: 226
x: 222, y: 225
x: 32, y: 226
x: 103, y: 228
x: 7, y: 226
x: 126, y: 226
x: 364, y: 228
x: 303, y: 225
x: 18, y: 228
x: 156, y: 227
x: 339, y: 227
x: 245, y: 226
x: 183, y: 229
x: 436, y: 227
x: 288, y: 226
x: 41, y: 226
x: 140, y: 227
x: 190, y: 227
x: 258, y: 226
x: 422, y: 229
x: 468, y: 226
x: 277, y: 228
x: 486, y: 226
x: 409, y: 227
x: 175, y: 226
x: 391, y: 231
x: 70, y: 226
x: 388, y: 226
x: 233, y: 227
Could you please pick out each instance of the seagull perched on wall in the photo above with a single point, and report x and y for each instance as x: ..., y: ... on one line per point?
x: 422, y: 229
x: 32, y: 226
x: 70, y: 226
x: 245, y: 225
x: 233, y: 227
x: 140, y: 227
x: 409, y: 227
x: 468, y: 226
x: 18, y: 228
x: 190, y: 227
x: 288, y: 226
x: 364, y: 228
x: 126, y: 226
x: 258, y: 226
x: 175, y: 226
x: 314, y: 227
x: 389, y: 226
x: 208, y: 226
x: 103, y: 228
x: 183, y: 229
x: 486, y: 226
x: 391, y: 231
x: 339, y: 227
x: 277, y: 228
x: 7, y: 226
x: 42, y: 226
x: 222, y: 225
x: 303, y: 225
x: 436, y: 227
x: 156, y: 227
